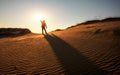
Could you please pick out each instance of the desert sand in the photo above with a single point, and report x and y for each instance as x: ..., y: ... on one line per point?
x: 92, y: 49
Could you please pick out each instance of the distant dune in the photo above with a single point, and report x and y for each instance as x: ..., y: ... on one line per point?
x: 91, y: 48
x: 12, y: 32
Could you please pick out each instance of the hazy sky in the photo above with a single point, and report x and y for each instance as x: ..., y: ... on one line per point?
x: 59, y: 13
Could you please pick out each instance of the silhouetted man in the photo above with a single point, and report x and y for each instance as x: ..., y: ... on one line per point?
x: 43, y: 26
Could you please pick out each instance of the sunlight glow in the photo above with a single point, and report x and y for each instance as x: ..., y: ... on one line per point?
x: 39, y: 17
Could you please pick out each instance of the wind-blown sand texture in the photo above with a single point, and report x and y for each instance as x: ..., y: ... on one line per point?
x: 92, y: 49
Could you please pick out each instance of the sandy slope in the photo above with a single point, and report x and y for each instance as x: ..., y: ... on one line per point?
x: 82, y: 50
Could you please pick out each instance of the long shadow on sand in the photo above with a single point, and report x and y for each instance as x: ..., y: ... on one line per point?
x: 73, y: 62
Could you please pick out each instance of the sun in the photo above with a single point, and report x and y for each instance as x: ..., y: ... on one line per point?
x: 39, y: 17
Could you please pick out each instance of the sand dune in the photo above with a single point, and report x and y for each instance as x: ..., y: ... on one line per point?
x: 91, y: 49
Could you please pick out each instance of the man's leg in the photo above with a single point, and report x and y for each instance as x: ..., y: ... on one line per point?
x: 45, y: 31
x: 42, y: 31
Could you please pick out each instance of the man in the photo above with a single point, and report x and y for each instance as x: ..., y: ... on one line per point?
x: 43, y: 26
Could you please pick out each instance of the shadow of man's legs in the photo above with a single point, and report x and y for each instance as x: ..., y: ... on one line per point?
x: 72, y: 61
